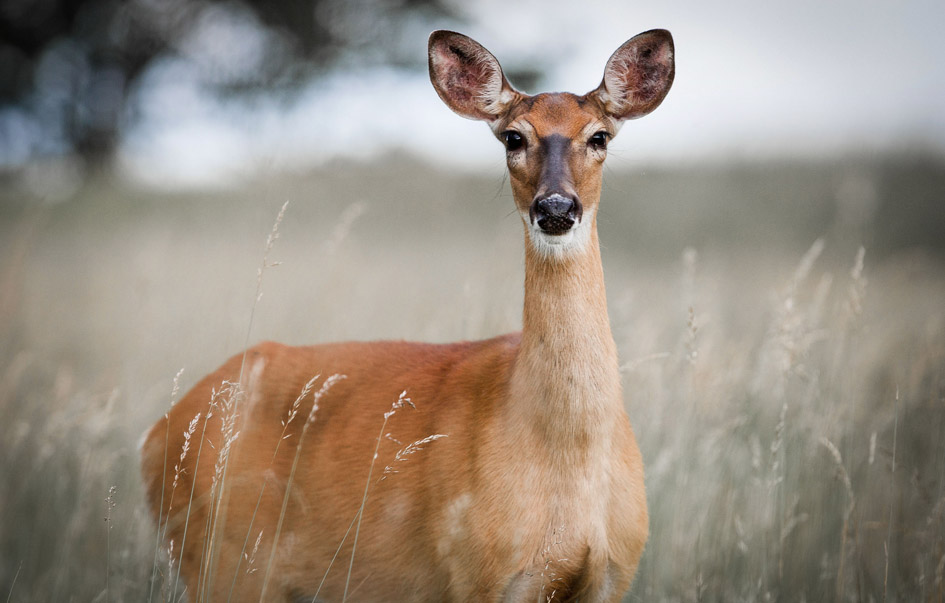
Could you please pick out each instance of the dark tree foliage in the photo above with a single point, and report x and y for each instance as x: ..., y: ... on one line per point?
x: 69, y: 67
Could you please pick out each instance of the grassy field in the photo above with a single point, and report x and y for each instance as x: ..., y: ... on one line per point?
x: 787, y: 387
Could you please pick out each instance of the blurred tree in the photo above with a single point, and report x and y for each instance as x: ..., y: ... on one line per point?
x: 69, y: 67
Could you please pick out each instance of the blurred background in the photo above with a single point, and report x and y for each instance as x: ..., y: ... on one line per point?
x: 186, y: 93
x: 773, y: 238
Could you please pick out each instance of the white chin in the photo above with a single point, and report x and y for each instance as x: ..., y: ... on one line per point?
x: 558, y: 246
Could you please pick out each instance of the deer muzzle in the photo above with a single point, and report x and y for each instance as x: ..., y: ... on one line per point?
x: 555, y: 214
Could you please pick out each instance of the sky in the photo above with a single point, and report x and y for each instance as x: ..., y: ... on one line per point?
x: 753, y: 80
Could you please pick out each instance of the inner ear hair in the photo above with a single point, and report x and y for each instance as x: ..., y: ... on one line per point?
x: 638, y: 75
x: 467, y: 77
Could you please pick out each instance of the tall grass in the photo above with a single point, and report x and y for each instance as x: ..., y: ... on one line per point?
x: 803, y: 460
x: 789, y: 399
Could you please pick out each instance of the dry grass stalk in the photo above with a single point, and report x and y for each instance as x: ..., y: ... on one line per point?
x: 270, y: 243
x: 225, y: 400
x: 402, y: 454
x: 109, y: 505
x: 340, y: 232
x: 892, y: 479
x: 175, y: 389
x: 844, y: 478
x: 226, y: 405
x: 857, y: 285
x: 251, y: 557
x: 185, y: 448
x: 402, y: 401
x: 326, y: 386
x: 19, y: 568
x: 168, y: 594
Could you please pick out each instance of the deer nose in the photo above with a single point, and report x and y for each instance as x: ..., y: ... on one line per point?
x: 555, y: 214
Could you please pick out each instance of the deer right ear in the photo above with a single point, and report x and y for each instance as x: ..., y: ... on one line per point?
x: 467, y: 77
x: 638, y: 75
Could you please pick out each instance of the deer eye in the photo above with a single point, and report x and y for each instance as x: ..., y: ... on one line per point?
x: 599, y: 140
x: 513, y: 140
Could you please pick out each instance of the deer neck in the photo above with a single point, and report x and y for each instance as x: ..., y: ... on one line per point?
x: 566, y: 382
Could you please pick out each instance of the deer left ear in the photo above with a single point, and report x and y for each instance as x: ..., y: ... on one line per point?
x: 467, y: 77
x: 638, y: 75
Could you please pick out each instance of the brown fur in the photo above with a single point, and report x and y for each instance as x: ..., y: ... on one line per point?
x: 536, y: 492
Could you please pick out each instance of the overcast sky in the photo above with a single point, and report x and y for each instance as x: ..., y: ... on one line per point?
x: 754, y: 79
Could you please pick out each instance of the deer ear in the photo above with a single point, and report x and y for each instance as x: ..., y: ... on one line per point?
x: 638, y: 75
x: 467, y: 77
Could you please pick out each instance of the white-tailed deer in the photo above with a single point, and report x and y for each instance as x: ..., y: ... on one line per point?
x: 536, y: 493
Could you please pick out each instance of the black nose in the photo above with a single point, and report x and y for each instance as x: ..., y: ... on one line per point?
x: 555, y: 214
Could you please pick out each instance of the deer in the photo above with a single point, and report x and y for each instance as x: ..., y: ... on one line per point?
x: 530, y: 483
